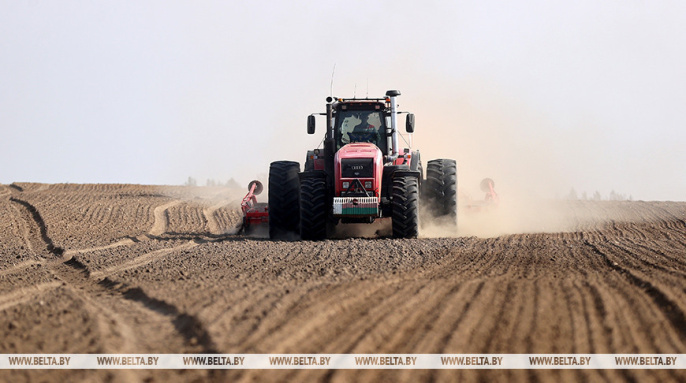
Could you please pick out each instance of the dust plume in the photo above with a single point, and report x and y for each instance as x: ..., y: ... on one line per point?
x: 495, y: 137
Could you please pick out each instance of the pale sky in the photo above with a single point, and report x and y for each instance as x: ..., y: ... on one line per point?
x: 540, y: 95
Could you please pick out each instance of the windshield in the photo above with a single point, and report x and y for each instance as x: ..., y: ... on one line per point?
x: 361, y: 126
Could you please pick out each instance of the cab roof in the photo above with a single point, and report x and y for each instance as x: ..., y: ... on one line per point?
x: 360, y: 104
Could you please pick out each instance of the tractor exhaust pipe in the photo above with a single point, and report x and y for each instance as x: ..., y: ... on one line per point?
x: 392, y: 94
x: 329, y: 146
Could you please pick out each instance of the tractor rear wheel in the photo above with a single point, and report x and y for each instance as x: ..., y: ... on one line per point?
x: 284, y: 199
x: 440, y: 189
x: 404, y: 217
x: 313, y: 212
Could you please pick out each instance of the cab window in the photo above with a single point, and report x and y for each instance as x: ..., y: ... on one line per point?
x: 361, y: 126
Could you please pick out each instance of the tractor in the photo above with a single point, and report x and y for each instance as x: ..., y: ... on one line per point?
x: 360, y: 175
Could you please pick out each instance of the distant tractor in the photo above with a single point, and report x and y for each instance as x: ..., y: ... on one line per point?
x: 360, y: 175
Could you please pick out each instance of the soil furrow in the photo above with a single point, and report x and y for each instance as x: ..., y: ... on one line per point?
x: 668, y: 308
x: 42, y: 228
x: 210, y: 216
x: 141, y: 260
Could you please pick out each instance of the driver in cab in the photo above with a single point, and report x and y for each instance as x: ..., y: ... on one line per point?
x: 364, y: 126
x: 364, y: 131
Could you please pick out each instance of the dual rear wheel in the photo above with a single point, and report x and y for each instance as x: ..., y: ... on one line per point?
x: 284, y: 200
x: 440, y: 190
x: 296, y: 208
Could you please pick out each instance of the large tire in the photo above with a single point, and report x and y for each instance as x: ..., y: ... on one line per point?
x: 313, y: 212
x: 440, y: 189
x: 284, y: 200
x: 404, y: 217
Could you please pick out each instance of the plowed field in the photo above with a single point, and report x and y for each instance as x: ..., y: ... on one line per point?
x: 149, y: 269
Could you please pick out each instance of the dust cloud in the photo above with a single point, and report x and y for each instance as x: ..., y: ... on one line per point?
x: 208, y: 195
x: 495, y: 137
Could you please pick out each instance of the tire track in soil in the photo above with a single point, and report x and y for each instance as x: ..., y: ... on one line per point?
x: 25, y: 230
x: 185, y: 333
x: 188, y: 326
x: 152, y: 310
x: 5, y: 191
x: 158, y: 326
x: 161, y: 224
x: 120, y: 243
x: 18, y: 267
x: 111, y: 327
x: 141, y: 260
x: 135, y: 322
x: 36, y: 228
x: 190, y: 329
x: 25, y: 294
x: 35, y: 220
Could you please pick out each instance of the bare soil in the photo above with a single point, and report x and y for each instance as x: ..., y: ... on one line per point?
x: 149, y: 269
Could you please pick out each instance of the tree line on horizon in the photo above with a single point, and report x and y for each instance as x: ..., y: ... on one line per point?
x: 231, y: 183
x: 614, y: 196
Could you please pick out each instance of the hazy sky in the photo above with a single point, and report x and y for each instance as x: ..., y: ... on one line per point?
x: 540, y: 95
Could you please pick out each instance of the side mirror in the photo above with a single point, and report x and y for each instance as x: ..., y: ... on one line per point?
x: 310, y: 124
x: 409, y: 123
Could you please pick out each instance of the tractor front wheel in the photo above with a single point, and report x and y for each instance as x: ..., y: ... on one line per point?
x: 313, y: 212
x: 404, y: 217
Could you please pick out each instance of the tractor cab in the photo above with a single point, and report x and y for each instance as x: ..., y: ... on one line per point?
x: 361, y: 122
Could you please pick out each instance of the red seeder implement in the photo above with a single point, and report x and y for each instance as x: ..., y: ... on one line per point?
x: 490, y: 200
x: 254, y: 213
x: 487, y: 186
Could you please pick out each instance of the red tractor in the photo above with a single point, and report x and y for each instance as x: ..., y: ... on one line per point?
x: 360, y: 175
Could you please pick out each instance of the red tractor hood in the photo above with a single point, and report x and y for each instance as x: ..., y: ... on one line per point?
x: 359, y: 151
